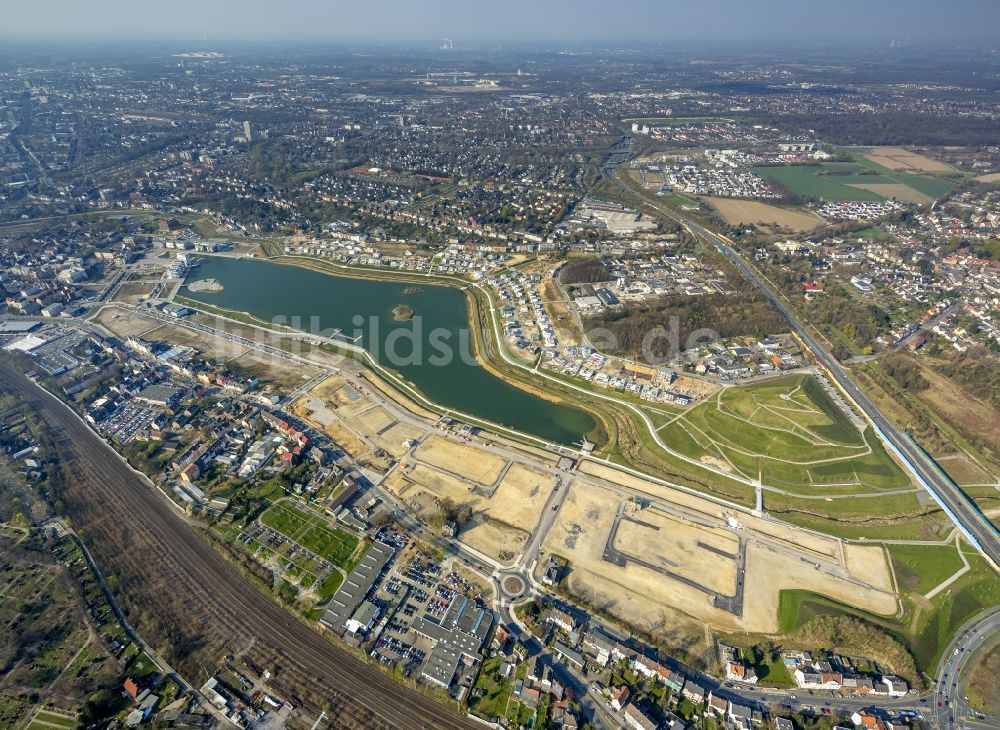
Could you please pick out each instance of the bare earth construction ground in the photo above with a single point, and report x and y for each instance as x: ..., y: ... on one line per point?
x: 646, y: 597
x: 507, y: 499
x: 475, y: 464
x: 504, y: 512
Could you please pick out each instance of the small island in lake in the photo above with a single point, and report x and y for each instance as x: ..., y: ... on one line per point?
x: 412, y: 290
x: 402, y: 313
x: 210, y: 285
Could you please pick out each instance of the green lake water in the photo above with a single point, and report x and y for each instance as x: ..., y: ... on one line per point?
x: 320, y: 303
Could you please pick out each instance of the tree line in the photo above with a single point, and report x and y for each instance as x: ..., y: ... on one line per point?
x: 746, y: 313
x: 897, y: 128
x: 584, y: 271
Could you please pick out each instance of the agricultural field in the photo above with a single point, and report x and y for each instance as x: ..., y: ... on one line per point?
x: 861, y: 180
x: 829, y: 182
x: 895, y: 191
x: 311, y: 532
x: 746, y: 212
x: 896, y: 158
x: 788, y: 432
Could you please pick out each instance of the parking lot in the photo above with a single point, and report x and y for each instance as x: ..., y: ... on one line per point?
x: 417, y: 586
x: 128, y: 421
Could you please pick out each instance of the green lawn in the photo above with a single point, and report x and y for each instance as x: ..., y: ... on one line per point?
x: 520, y: 715
x: 222, y: 312
x: 494, y: 703
x: 934, y: 525
x: 653, y: 460
x: 774, y: 674
x: 678, y: 201
x: 142, y: 666
x: 919, y: 568
x: 329, y: 586
x: 856, y: 508
x: 973, y: 592
x: 54, y: 719
x: 875, y: 233
x: 984, y: 679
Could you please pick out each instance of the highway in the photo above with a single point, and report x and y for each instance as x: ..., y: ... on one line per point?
x: 112, y: 505
x: 976, y: 527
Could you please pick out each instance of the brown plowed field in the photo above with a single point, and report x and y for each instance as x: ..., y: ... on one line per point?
x: 171, y: 577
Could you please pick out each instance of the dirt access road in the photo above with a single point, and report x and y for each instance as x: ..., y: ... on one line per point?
x: 110, y: 503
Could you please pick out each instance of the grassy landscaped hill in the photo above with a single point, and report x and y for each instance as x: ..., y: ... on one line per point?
x: 790, y: 433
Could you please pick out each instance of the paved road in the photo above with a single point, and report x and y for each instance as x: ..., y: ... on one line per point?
x: 106, y: 495
x: 952, y: 711
x: 929, y: 324
x: 982, y: 533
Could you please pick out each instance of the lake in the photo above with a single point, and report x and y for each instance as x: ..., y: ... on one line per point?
x: 417, y: 349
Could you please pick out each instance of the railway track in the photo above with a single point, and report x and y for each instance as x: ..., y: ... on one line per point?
x: 138, y: 536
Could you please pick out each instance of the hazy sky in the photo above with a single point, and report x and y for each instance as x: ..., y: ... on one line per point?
x: 510, y: 21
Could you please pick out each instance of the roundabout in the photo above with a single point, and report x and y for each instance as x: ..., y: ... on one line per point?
x: 513, y: 586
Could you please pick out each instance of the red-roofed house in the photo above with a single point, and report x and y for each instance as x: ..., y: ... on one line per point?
x: 131, y: 687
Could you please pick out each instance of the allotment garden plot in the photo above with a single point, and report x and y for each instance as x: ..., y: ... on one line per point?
x: 790, y: 434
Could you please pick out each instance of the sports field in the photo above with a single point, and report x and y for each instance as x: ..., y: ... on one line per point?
x: 311, y: 532
x: 790, y: 433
